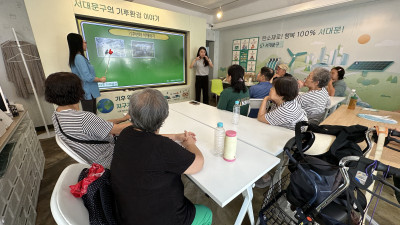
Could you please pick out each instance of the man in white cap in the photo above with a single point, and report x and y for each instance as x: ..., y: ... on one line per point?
x: 281, y: 70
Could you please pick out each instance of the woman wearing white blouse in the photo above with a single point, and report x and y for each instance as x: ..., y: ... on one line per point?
x: 202, y: 64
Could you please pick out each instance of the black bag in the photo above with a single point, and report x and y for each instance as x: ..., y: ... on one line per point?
x: 99, y: 199
x: 322, y: 170
x: 300, y: 190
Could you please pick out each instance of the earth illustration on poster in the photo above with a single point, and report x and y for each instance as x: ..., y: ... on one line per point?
x: 105, y: 105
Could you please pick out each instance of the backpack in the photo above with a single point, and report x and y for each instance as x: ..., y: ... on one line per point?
x: 313, y: 178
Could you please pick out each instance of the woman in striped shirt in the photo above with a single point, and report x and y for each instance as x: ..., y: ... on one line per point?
x: 316, y: 100
x: 88, y: 135
x: 285, y: 111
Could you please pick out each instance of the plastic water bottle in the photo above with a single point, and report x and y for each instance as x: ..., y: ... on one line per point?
x: 353, y: 92
x: 219, y: 139
x: 236, y: 113
x: 353, y: 100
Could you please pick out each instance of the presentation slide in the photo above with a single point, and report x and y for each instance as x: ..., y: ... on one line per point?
x: 132, y: 56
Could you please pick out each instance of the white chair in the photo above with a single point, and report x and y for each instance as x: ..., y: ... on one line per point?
x: 254, y: 103
x: 65, y: 208
x: 69, y: 151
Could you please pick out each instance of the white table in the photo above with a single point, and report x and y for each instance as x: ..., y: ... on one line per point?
x: 223, y: 181
x: 334, y: 103
x: 334, y: 100
x: 268, y: 138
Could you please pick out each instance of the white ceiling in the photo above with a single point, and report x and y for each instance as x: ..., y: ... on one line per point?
x: 210, y: 7
x: 242, y: 12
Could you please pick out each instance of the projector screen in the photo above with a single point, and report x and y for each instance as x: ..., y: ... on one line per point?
x: 130, y: 56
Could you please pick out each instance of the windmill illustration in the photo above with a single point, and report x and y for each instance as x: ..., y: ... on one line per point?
x: 294, y: 56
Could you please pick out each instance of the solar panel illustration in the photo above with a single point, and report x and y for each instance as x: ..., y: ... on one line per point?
x: 370, y: 65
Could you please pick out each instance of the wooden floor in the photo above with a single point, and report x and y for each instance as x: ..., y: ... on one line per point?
x: 57, y: 160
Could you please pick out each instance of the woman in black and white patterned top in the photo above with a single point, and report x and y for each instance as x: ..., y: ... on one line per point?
x: 76, y: 127
x: 65, y: 90
x: 285, y: 111
x: 316, y: 100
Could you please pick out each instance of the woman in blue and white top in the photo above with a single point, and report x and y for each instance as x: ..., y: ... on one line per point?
x: 316, y: 100
x: 202, y: 64
x: 81, y: 66
x: 285, y: 110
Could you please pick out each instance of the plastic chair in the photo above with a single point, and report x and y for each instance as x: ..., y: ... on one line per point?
x: 65, y: 208
x: 69, y: 151
x: 254, y: 103
x: 216, y: 87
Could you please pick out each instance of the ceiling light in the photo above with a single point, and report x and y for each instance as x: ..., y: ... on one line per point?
x: 219, y: 13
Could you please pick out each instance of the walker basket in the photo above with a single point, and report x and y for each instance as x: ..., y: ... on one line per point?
x: 275, y: 208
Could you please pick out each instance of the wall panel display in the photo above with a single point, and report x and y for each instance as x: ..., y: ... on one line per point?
x: 244, y: 53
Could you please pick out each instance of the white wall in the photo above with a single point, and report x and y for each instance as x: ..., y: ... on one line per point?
x: 51, y: 22
x: 13, y: 14
x: 162, y: 5
x: 379, y: 20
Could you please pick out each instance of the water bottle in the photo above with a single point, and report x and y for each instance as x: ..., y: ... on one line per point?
x: 353, y: 100
x: 236, y: 113
x: 219, y: 139
x: 353, y: 92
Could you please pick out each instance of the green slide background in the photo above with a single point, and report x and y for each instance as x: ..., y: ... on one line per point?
x: 167, y: 67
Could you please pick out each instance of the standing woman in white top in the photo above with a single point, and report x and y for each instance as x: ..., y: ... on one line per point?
x: 202, y: 64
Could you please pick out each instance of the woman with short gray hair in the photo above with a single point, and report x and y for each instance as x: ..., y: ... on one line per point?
x: 149, y: 108
x: 316, y: 100
x: 147, y: 167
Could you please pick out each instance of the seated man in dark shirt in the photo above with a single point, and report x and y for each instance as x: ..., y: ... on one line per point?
x: 146, y: 168
x: 261, y: 90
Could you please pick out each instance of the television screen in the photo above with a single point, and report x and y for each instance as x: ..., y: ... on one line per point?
x: 131, y: 56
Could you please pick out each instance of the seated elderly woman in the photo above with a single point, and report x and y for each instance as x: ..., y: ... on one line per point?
x: 88, y: 135
x: 147, y: 167
x: 316, y: 100
x: 285, y: 110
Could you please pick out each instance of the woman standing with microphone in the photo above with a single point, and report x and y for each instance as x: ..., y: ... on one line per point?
x: 81, y: 66
x: 202, y: 64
